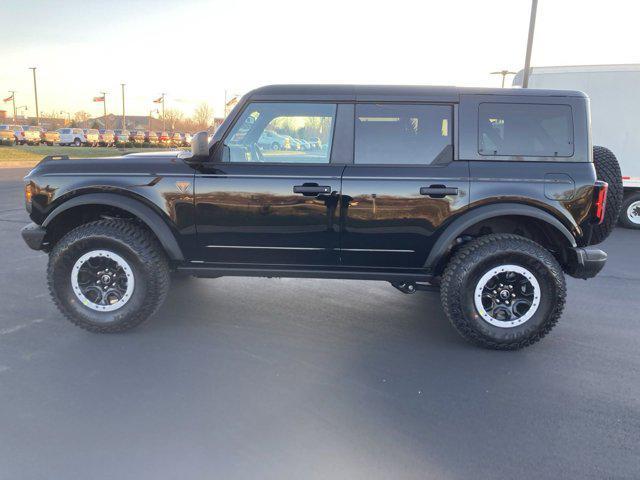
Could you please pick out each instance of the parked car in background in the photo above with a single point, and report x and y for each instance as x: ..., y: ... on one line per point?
x: 121, y: 136
x: 294, y: 143
x: 151, y: 137
x: 72, y: 136
x: 304, y: 144
x: 316, y: 143
x: 136, y: 136
x: 106, y: 138
x: 49, y: 137
x: 164, y: 139
x: 176, y: 139
x: 92, y: 137
x: 271, y: 140
x: 11, y: 134
x: 31, y: 135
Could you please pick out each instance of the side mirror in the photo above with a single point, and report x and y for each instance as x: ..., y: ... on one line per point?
x: 200, y: 144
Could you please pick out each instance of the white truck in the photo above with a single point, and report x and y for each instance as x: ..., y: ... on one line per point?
x: 614, y: 91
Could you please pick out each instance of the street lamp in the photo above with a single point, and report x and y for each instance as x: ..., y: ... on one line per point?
x: 35, y: 92
x: 527, y: 58
x: 504, y: 73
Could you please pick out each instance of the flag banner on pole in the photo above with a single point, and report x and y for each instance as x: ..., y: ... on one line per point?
x: 98, y: 99
x: 9, y: 98
x: 158, y: 100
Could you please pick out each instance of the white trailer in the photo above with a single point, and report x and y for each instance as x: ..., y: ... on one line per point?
x: 614, y: 91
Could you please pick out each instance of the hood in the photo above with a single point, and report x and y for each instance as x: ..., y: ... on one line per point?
x: 133, y: 163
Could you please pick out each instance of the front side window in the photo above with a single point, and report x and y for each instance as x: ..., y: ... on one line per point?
x: 403, y: 134
x: 282, y: 133
x: 519, y: 129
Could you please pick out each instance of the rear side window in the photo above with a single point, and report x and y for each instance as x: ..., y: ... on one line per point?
x: 518, y: 129
x: 403, y: 134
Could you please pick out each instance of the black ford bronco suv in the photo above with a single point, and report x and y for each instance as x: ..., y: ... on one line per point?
x: 488, y: 195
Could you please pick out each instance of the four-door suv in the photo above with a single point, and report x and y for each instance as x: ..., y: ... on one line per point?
x: 72, y: 136
x: 488, y: 195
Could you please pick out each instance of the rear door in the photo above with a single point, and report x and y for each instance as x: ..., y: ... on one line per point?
x: 259, y: 204
x: 404, y: 184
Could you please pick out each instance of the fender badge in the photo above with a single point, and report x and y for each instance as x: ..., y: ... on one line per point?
x: 183, y: 186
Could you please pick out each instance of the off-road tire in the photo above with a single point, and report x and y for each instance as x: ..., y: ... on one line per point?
x: 608, y: 170
x: 132, y: 242
x: 479, y: 256
x: 625, y: 221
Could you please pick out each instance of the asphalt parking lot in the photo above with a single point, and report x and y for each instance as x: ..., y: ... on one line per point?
x: 259, y: 378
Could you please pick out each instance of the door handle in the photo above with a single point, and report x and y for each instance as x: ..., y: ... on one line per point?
x: 438, y: 191
x: 311, y: 189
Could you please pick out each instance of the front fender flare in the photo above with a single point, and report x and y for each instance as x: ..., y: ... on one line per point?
x: 147, y: 215
x: 443, y: 245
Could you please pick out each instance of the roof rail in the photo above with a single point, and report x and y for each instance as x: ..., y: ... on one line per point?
x: 55, y: 157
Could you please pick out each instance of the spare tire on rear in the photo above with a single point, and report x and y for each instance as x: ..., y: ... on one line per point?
x: 608, y: 170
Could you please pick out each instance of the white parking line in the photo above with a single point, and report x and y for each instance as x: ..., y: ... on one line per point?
x: 16, y: 328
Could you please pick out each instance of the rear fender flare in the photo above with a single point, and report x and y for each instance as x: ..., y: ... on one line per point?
x: 148, y: 216
x: 446, y: 240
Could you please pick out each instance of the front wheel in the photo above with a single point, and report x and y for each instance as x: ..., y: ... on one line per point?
x: 503, y: 291
x: 77, y: 143
x: 630, y: 212
x: 108, y: 276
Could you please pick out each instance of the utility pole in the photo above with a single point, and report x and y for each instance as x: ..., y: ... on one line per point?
x: 124, y: 121
x: 35, y: 91
x: 527, y: 59
x: 104, y: 107
x: 164, y: 127
x: 13, y: 100
x: 150, y: 113
x: 504, y: 73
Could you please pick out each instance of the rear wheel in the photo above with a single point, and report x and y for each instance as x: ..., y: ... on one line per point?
x: 608, y: 170
x: 630, y: 212
x: 503, y: 291
x: 77, y: 142
x: 108, y: 276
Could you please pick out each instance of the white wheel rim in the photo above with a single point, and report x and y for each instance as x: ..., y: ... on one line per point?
x: 508, y: 299
x: 109, y: 289
x: 633, y: 212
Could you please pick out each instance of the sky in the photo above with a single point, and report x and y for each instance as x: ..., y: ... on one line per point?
x: 195, y: 50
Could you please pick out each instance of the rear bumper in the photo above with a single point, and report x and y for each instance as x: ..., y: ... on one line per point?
x: 33, y: 235
x: 585, y: 262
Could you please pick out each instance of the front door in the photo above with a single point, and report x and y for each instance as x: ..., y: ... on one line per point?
x: 403, y: 186
x: 272, y: 198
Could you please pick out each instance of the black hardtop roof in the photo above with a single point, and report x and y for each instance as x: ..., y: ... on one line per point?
x: 393, y: 92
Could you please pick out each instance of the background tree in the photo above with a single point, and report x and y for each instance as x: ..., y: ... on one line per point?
x: 81, y: 118
x: 173, y: 117
x: 202, y: 116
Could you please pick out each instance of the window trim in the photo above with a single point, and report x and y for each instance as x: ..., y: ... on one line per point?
x: 218, y: 150
x: 526, y: 156
x: 452, y: 127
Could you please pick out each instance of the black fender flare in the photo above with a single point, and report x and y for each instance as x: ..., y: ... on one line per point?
x: 147, y: 215
x: 446, y: 240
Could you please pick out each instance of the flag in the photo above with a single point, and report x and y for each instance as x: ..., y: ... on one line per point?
x: 98, y: 99
x: 158, y: 100
x: 9, y: 98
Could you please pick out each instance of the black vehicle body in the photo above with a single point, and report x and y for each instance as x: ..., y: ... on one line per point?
x: 390, y: 222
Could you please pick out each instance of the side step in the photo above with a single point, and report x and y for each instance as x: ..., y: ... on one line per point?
x: 207, y: 271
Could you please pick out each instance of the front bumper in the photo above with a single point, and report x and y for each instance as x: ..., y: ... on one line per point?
x: 584, y: 262
x: 33, y: 235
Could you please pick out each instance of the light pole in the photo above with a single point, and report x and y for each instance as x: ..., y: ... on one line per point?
x: 35, y: 91
x: 124, y: 122
x: 527, y: 58
x: 104, y: 108
x: 26, y: 109
x: 164, y: 127
x: 504, y: 73
x: 13, y: 100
